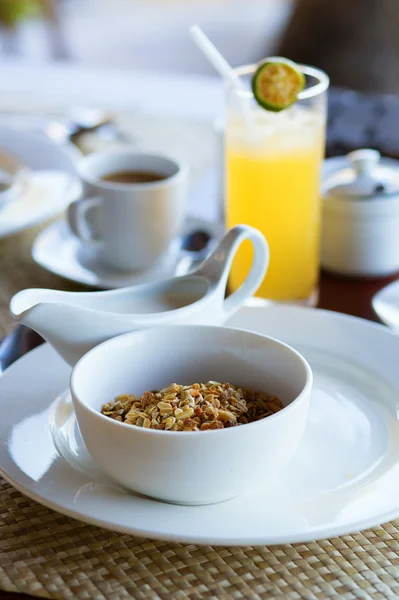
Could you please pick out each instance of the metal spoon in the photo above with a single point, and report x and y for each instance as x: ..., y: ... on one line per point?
x: 80, y: 120
x: 16, y: 344
x: 195, y: 247
x: 196, y: 241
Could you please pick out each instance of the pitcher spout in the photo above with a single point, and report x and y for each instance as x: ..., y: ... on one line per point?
x: 61, y: 319
x: 42, y: 311
x: 23, y: 302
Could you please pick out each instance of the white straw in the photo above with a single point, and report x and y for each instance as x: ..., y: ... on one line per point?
x: 215, y: 58
x: 223, y: 68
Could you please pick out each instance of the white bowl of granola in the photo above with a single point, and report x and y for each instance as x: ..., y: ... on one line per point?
x: 195, y: 441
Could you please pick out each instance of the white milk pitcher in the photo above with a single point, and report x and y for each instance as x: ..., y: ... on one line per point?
x: 75, y: 322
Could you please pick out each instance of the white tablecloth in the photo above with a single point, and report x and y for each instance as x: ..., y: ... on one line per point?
x: 59, y: 85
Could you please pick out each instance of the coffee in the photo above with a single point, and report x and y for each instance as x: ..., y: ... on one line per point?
x: 133, y: 177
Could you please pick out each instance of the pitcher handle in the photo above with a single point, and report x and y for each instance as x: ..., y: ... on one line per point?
x: 217, y: 266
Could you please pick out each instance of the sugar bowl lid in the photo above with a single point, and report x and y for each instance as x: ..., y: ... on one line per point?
x: 364, y: 176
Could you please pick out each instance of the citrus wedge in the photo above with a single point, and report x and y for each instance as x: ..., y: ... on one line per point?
x: 277, y: 83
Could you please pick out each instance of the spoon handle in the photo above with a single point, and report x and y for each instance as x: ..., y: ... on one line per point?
x: 16, y: 344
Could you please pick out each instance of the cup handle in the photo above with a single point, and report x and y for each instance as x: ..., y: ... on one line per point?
x: 77, y: 218
x: 217, y: 266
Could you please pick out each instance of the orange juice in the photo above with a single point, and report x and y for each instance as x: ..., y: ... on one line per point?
x: 272, y: 183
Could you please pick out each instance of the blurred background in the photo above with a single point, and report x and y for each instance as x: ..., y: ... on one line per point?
x: 356, y: 42
x: 143, y: 34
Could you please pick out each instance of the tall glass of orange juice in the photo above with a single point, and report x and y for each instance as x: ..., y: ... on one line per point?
x: 273, y: 169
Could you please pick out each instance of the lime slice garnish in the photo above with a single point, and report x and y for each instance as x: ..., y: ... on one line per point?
x: 277, y: 83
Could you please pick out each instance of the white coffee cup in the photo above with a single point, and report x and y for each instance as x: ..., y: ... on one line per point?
x: 130, y: 224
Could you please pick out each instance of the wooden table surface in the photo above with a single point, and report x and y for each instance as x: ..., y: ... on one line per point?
x: 347, y: 295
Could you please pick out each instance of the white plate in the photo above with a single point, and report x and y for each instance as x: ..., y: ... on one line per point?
x: 59, y: 251
x: 50, y: 186
x: 386, y: 304
x: 45, y: 194
x: 344, y: 478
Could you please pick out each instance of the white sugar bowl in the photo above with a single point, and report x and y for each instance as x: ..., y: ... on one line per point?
x: 360, y: 227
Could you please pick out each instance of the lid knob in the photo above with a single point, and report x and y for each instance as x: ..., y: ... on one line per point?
x: 364, y: 161
x: 364, y: 174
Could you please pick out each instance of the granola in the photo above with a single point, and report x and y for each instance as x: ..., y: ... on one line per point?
x: 196, y: 407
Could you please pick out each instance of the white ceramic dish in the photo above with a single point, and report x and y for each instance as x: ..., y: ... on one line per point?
x: 345, y: 476
x: 38, y: 152
x: 44, y: 194
x: 12, y: 177
x: 386, y: 304
x: 360, y: 214
x: 190, y: 467
x: 11, y: 187
x: 50, y: 183
x: 75, y: 322
x: 59, y: 251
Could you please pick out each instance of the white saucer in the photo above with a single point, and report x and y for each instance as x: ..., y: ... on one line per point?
x: 59, y: 251
x: 386, y: 304
x: 51, y: 181
x: 345, y: 476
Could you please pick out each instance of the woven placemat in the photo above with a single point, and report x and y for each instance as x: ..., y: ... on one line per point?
x: 47, y: 555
